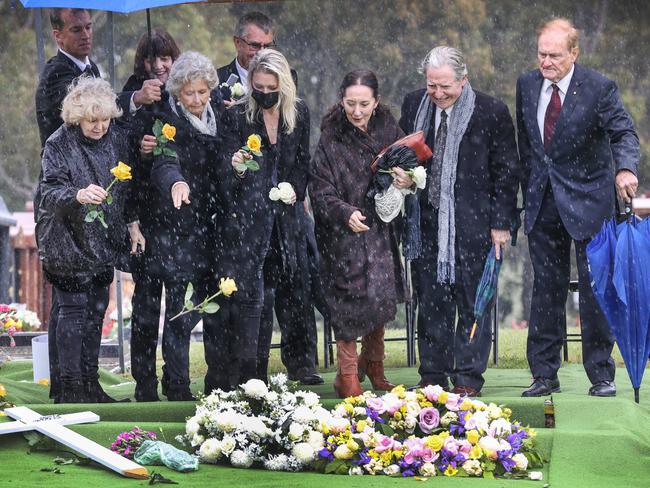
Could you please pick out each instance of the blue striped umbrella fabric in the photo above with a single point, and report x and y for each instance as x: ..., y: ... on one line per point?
x: 486, y: 289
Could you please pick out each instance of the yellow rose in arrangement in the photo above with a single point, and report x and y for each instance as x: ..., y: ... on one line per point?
x: 254, y: 143
x: 169, y: 131
x: 227, y: 286
x: 122, y: 171
x: 472, y: 436
x: 3, y: 390
x: 44, y: 382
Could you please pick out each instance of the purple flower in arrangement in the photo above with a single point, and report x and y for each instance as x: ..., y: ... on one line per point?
x: 374, y: 415
x: 408, y: 472
x: 505, y: 458
x: 363, y: 458
x: 429, y: 419
x: 326, y: 453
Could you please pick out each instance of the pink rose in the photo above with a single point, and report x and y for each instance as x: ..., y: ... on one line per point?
x: 429, y: 419
x: 451, y: 446
x: 464, y: 446
x: 428, y: 455
x: 453, y: 402
x: 432, y: 392
x: 385, y: 443
x: 375, y: 404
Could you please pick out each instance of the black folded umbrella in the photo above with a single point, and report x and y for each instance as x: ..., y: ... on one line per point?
x: 396, y: 156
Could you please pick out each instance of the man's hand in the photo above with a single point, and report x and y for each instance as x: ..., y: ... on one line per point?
x: 500, y: 240
x: 180, y: 194
x: 149, y: 93
x: 626, y: 184
x: 356, y: 222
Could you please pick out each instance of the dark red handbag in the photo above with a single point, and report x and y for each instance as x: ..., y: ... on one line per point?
x: 415, y: 141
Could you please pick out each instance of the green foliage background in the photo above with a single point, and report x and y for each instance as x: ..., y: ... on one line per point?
x: 324, y: 39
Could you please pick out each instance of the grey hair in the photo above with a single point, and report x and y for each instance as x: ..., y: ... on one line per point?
x: 91, y: 99
x: 445, y: 56
x: 191, y: 66
x: 255, y: 18
x: 274, y: 62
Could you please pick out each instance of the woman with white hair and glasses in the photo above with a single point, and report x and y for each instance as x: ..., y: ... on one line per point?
x: 185, y: 209
x: 262, y: 224
x: 79, y: 255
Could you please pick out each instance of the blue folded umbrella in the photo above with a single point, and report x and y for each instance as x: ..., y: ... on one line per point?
x: 619, y: 260
x: 486, y: 289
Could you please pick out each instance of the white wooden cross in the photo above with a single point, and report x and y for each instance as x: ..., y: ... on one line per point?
x: 54, y: 426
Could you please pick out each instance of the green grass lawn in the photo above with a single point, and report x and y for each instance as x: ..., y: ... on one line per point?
x: 512, y: 352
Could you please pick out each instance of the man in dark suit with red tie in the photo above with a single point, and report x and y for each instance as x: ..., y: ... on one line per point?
x: 578, y: 148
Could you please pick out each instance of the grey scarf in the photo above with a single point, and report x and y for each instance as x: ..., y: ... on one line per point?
x: 458, y: 121
x: 207, y: 124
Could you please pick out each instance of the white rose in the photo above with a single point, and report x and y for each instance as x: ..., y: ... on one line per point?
x: 311, y: 399
x: 237, y: 90
x: 419, y: 176
x: 391, y: 470
x: 303, y: 414
x: 228, y: 445
x: 410, y: 423
x: 192, y: 427
x: 494, y: 411
x: 535, y: 475
x: 303, y: 452
x: 286, y: 192
x: 227, y: 421
x: 489, y: 443
x: 356, y: 471
x: 239, y: 459
x: 428, y: 469
x: 473, y: 467
x: 210, y: 450
x: 338, y: 425
x: 316, y: 440
x: 255, y: 388
x: 197, y: 440
x: 500, y: 426
x: 296, y: 431
x: 274, y: 194
x: 521, y: 460
x: 256, y: 426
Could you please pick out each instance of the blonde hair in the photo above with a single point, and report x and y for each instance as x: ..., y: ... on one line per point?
x: 564, y: 25
x: 91, y: 99
x: 273, y: 62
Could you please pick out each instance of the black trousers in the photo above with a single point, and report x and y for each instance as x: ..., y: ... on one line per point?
x: 145, y: 321
x: 289, y: 294
x: 445, y: 319
x: 53, y: 353
x: 79, y: 331
x: 550, y: 246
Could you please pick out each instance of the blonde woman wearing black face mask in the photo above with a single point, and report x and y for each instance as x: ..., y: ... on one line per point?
x: 261, y: 230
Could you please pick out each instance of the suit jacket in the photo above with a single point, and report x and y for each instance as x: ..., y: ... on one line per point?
x: 487, y: 179
x: 593, y: 138
x: 57, y: 75
x: 231, y: 69
x: 251, y: 216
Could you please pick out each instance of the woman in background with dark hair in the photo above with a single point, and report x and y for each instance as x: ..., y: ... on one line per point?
x: 146, y: 299
x: 360, y: 264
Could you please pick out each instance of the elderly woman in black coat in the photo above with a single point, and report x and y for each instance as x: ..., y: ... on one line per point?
x: 260, y: 229
x: 185, y: 208
x: 360, y: 263
x: 78, y: 251
x: 150, y: 75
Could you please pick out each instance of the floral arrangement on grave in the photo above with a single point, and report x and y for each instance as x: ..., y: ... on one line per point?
x: 9, y: 322
x: 424, y: 433
x: 258, y: 425
x: 163, y: 133
x: 253, y: 147
x: 121, y: 172
x: 126, y: 443
x: 227, y: 287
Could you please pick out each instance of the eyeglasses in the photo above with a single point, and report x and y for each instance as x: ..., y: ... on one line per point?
x: 256, y: 45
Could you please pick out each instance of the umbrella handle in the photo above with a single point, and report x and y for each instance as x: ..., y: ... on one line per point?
x: 473, y: 331
x: 628, y: 210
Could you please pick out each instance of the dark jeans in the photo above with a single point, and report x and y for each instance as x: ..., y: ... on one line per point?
x: 53, y: 353
x: 445, y: 319
x: 145, y: 321
x: 550, y: 248
x: 79, y: 331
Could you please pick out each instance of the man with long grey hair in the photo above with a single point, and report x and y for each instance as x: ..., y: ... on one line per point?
x: 466, y: 208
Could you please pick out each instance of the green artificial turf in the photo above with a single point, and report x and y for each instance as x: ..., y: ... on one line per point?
x: 597, y: 442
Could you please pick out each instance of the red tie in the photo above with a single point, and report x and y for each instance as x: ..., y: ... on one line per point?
x: 552, y: 114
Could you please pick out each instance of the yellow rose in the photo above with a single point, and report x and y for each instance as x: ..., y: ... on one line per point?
x: 361, y: 425
x: 475, y: 453
x: 3, y: 390
x: 399, y: 390
x: 44, y: 381
x: 466, y: 405
x: 434, y: 442
x: 9, y: 323
x: 227, y: 286
x: 472, y: 436
x: 19, y: 325
x: 122, y: 171
x: 169, y: 131
x: 353, y: 446
x: 442, y: 398
x: 254, y: 142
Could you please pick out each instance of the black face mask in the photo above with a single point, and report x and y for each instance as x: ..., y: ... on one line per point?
x: 266, y: 100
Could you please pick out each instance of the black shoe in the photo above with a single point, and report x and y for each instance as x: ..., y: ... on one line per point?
x: 542, y: 387
x: 182, y: 394
x: 603, y: 389
x: 96, y: 394
x: 306, y: 376
x: 72, y: 392
x: 146, y: 393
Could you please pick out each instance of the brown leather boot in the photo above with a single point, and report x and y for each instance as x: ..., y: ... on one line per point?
x: 346, y: 385
x: 375, y: 372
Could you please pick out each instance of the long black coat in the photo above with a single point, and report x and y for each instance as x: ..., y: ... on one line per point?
x: 251, y: 214
x: 486, y: 181
x: 181, y: 241
x: 361, y: 272
x: 68, y: 246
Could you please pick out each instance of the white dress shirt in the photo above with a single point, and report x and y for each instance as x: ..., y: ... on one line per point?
x: 243, y: 75
x: 438, y: 118
x: 545, y: 97
x: 80, y: 64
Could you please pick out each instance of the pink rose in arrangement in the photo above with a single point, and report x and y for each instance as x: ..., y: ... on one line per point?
x: 417, y: 450
x: 464, y: 446
x: 392, y: 403
x: 429, y: 419
x: 432, y: 392
x: 386, y: 443
x: 376, y: 404
x: 453, y: 402
x: 451, y: 446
